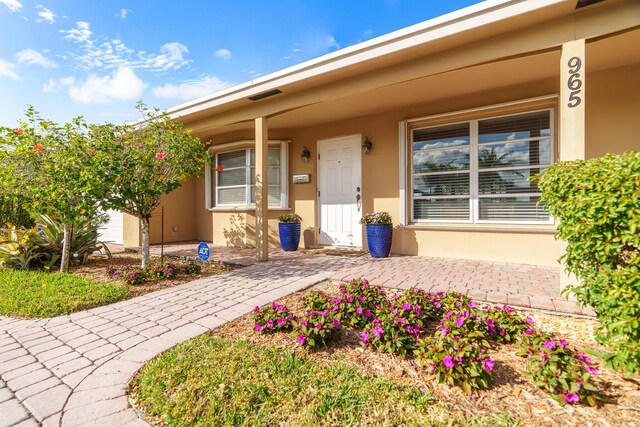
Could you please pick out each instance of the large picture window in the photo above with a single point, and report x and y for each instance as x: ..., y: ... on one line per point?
x: 478, y: 170
x: 235, y: 184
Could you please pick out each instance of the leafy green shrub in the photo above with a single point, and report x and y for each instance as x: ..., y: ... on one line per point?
x: 316, y: 329
x: 132, y: 275
x: 555, y: 367
x: 315, y: 300
x: 12, y: 213
x: 598, y: 204
x: 456, y: 360
x: 505, y: 324
x: 272, y: 318
x: 429, y: 302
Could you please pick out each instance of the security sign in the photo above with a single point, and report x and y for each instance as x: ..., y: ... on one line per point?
x: 203, y: 251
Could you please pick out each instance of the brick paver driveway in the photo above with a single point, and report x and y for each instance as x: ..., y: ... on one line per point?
x: 73, y: 370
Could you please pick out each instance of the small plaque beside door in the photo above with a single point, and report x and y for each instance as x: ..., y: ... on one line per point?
x: 301, y: 179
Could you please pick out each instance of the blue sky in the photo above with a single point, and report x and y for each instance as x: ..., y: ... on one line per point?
x: 96, y: 58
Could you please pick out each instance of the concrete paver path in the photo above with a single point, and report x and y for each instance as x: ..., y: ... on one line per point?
x: 73, y: 370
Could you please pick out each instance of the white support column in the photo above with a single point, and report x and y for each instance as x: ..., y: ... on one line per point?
x: 262, y: 189
x: 572, y: 113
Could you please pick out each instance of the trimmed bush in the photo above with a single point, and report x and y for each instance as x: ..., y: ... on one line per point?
x: 598, y: 204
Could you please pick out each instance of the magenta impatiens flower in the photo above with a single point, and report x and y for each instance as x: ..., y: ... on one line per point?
x: 459, y: 321
x: 336, y: 323
x: 281, y: 321
x: 258, y: 328
x: 367, y: 313
x: 318, y: 326
x: 365, y: 338
x: 571, y: 398
x: 448, y: 362
x: 406, y: 307
x: 359, y: 310
x: 591, y: 370
x: 377, y: 332
x: 488, y: 364
x: 302, y: 339
x: 256, y: 309
x: 549, y: 344
x: 270, y: 324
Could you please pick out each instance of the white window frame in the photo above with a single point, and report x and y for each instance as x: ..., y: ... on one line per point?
x: 474, y: 196
x: 211, y: 188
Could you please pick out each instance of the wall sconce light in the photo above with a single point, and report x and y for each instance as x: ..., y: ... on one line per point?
x: 366, y: 146
x: 306, y: 155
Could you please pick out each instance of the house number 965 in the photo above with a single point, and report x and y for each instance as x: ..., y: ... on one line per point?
x: 574, y: 83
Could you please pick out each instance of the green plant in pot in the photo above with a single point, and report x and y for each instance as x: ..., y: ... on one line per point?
x: 379, y: 230
x: 289, y: 231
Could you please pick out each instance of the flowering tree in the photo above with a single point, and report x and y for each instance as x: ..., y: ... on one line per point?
x: 53, y: 169
x: 145, y: 161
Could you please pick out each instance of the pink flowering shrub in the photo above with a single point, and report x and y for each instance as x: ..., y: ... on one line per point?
x: 506, y: 324
x: 394, y: 329
x: 556, y: 368
x: 456, y: 360
x: 357, y: 302
x: 316, y: 328
x: 135, y: 275
x: 272, y: 318
x: 315, y: 300
x: 127, y: 273
x: 429, y: 302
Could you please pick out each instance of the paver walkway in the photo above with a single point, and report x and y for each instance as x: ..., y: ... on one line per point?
x: 73, y: 370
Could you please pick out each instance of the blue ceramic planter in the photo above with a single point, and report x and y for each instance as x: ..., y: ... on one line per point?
x: 379, y: 239
x: 289, y: 235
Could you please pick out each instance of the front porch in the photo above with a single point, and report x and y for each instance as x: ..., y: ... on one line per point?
x: 520, y: 285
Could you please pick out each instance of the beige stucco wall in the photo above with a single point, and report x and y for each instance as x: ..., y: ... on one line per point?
x: 612, y: 109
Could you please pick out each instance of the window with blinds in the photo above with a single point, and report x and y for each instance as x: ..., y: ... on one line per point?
x: 235, y: 184
x: 479, y: 171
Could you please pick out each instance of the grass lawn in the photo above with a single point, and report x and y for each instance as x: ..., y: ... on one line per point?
x: 39, y: 294
x: 217, y: 381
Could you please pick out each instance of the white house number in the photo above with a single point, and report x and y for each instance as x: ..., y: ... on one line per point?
x: 574, y: 83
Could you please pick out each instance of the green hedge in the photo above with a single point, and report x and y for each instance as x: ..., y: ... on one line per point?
x: 598, y: 204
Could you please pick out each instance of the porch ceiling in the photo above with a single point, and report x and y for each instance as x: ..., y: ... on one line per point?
x: 464, y: 70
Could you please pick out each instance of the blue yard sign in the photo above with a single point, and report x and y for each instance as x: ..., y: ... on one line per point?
x: 203, y: 251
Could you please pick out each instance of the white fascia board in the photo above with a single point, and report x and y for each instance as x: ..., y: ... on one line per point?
x: 471, y: 17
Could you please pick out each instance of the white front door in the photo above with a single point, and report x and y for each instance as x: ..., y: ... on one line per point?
x: 340, y: 195
x: 111, y: 232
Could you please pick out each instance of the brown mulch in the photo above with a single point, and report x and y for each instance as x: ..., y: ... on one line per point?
x: 511, y: 393
x: 96, y: 265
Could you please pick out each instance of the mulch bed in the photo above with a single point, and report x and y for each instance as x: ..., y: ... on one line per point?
x: 96, y: 265
x: 511, y: 393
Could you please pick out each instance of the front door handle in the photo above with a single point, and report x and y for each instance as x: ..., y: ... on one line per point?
x: 358, y: 202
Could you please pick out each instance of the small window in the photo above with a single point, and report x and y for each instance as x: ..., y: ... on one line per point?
x: 235, y: 184
x: 478, y: 171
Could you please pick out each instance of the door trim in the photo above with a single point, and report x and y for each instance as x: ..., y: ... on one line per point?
x: 323, y: 141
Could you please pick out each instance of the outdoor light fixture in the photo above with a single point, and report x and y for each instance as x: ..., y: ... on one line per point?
x: 366, y: 146
x: 306, y: 155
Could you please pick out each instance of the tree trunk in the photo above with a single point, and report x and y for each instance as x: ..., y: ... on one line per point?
x: 145, y: 241
x: 66, y: 249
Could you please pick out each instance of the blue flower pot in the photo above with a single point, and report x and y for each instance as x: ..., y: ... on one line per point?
x: 379, y: 239
x: 289, y: 235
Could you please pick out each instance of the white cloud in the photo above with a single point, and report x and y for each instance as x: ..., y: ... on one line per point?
x: 123, y: 13
x: 7, y: 70
x: 191, y: 89
x: 51, y: 87
x: 331, y: 43
x: 31, y: 57
x: 46, y: 15
x: 79, y: 34
x: 223, y: 53
x: 114, y: 53
x: 122, y: 85
x: 12, y: 5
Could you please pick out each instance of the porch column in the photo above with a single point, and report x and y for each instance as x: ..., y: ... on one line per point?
x: 262, y: 194
x: 572, y: 113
